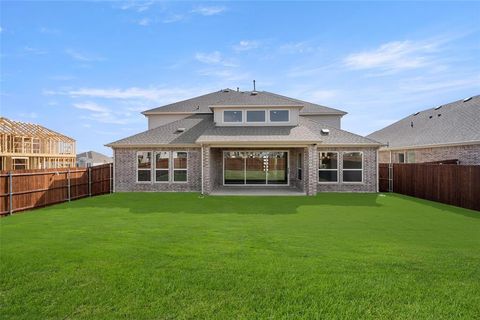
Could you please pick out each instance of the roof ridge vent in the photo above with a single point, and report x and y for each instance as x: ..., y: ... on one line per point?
x: 254, y: 93
x: 325, y: 132
x: 416, y: 113
x: 467, y: 99
x: 438, y: 107
x: 180, y: 129
x: 226, y: 90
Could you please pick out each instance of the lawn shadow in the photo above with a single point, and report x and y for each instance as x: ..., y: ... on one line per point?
x: 443, y: 207
x: 194, y: 203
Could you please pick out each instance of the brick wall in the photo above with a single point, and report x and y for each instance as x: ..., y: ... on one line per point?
x: 126, y: 172
x: 467, y: 154
x: 370, y: 180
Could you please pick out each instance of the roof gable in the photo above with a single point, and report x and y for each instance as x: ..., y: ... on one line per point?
x: 202, y: 104
x: 456, y: 122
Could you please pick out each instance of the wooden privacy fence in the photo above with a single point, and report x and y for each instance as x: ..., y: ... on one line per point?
x: 27, y: 189
x: 457, y: 185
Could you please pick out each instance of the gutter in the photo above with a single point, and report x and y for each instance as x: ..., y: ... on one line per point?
x: 439, y: 145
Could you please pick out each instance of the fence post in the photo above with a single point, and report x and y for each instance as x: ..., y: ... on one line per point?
x: 390, y: 177
x: 10, y: 192
x: 89, y: 181
x: 68, y: 178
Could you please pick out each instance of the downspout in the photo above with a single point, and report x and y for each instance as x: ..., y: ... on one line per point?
x: 377, y: 177
x: 113, y: 171
x: 201, y: 178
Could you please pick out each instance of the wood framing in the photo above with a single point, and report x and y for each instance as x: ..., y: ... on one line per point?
x: 31, y: 146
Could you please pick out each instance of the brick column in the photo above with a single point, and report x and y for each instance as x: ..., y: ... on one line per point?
x: 206, y: 183
x: 311, y: 170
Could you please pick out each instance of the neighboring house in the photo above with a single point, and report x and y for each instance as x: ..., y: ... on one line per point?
x: 446, y: 132
x: 92, y: 158
x: 245, y: 139
x: 31, y: 146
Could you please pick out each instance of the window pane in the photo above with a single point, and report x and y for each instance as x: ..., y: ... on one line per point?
x: 234, y: 171
x: 328, y: 160
x: 279, y: 115
x: 161, y: 175
x: 256, y: 116
x: 401, y: 158
x: 352, y: 160
x: 144, y: 175
x: 352, y: 176
x: 180, y: 175
x: 327, y: 176
x: 232, y: 116
x: 180, y: 160
x: 144, y: 159
x: 411, y: 156
x: 161, y: 159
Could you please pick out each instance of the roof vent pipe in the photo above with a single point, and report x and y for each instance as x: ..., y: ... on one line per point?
x: 254, y: 87
x: 238, y: 89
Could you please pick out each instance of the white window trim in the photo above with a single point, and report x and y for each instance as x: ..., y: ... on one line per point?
x: 172, y: 178
x: 343, y: 169
x: 137, y: 169
x: 264, y: 113
x: 155, y: 166
x: 237, y: 122
x: 338, y: 171
x: 270, y: 110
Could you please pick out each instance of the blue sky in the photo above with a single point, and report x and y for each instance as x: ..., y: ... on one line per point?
x: 87, y: 69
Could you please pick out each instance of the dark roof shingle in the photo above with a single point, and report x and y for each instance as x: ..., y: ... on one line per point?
x: 456, y: 122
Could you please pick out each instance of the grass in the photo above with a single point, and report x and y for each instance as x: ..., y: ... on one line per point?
x: 180, y: 256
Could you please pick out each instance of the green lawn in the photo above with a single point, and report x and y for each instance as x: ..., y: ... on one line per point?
x: 178, y: 256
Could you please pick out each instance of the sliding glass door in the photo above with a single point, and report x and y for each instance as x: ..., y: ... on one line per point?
x: 255, y: 168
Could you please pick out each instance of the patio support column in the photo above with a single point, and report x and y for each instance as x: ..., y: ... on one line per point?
x: 311, y: 172
x: 206, y: 183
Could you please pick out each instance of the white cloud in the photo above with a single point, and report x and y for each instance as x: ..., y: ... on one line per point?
x: 1, y: 29
x: 245, y: 45
x: 46, y: 30
x: 135, y: 94
x: 34, y: 50
x: 297, y: 47
x: 135, y: 5
x: 82, y: 56
x: 213, y: 58
x: 209, y: 11
x: 174, y: 18
x: 29, y: 115
x: 144, y: 22
x: 394, y: 56
x: 91, y: 106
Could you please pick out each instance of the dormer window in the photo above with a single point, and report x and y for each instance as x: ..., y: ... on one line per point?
x: 279, y: 116
x: 256, y: 116
x: 232, y: 116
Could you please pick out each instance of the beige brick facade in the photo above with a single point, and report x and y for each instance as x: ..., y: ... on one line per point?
x: 466, y: 154
x: 212, y: 161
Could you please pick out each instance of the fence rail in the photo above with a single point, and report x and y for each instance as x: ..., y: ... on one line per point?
x: 457, y: 185
x: 28, y: 189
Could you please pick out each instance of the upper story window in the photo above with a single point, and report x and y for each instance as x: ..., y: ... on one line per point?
x: 279, y: 116
x: 256, y: 116
x: 232, y: 116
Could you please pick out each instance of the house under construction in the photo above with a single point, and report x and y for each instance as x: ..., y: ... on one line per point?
x: 31, y: 146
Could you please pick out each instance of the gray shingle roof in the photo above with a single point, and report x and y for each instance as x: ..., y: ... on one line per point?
x: 167, y: 134
x: 201, y: 104
x: 456, y: 122
x: 200, y: 128
x: 96, y: 157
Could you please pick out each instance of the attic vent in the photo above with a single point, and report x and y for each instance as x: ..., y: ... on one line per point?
x: 430, y: 117
x: 226, y: 90
x: 325, y: 132
x: 438, y: 107
x: 439, y: 115
x: 416, y: 113
x: 467, y: 99
x: 180, y: 129
x: 254, y: 93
